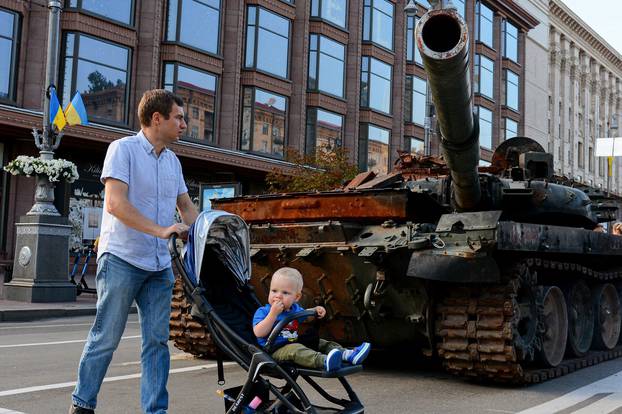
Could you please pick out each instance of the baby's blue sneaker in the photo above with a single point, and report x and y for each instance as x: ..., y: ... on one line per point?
x: 358, y: 354
x: 333, y: 360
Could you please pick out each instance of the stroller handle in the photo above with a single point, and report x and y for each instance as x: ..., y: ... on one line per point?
x: 172, y: 246
x: 283, y: 323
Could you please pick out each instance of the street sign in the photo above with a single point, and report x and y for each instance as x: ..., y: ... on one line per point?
x: 609, y: 147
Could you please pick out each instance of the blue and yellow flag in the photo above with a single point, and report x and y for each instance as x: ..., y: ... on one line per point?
x: 76, y: 112
x: 56, y: 112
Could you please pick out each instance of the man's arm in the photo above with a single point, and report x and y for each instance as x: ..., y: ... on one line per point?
x: 187, y: 209
x: 119, y: 206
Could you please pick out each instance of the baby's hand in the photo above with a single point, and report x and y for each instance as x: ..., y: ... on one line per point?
x: 320, y: 311
x: 277, y: 308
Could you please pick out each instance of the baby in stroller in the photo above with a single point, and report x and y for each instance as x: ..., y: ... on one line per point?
x: 285, y: 291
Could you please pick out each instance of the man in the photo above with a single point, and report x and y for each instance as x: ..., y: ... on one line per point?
x: 143, y: 185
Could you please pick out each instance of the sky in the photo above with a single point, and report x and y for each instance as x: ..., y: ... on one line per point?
x: 603, y: 16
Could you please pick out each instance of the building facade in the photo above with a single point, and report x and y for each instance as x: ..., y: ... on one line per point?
x: 257, y: 77
x: 584, y: 99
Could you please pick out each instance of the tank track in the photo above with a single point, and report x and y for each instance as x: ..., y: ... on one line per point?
x: 186, y: 333
x: 476, y: 328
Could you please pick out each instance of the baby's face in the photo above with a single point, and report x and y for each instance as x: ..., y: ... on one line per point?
x: 283, y: 290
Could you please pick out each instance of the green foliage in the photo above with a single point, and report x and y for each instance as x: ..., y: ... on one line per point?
x: 327, y: 169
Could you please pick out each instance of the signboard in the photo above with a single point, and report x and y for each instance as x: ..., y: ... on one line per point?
x: 212, y: 191
x: 91, y: 222
x: 609, y: 147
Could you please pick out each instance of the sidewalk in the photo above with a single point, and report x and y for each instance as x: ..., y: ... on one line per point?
x: 12, y: 311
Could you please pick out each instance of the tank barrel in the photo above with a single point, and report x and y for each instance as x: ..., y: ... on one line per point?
x: 442, y: 37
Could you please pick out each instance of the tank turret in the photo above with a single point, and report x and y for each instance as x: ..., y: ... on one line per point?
x: 443, y: 39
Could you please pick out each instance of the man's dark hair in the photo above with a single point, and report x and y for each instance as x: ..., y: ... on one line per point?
x: 156, y: 100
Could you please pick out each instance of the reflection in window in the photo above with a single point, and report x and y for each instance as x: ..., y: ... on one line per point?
x: 510, y: 41
x: 460, y: 6
x: 511, y: 90
x: 511, y: 128
x: 99, y: 71
x: 333, y: 11
x: 378, y: 22
x: 267, y: 41
x: 119, y: 10
x: 198, y: 90
x: 415, y: 100
x: 485, y: 127
x: 324, y: 130
x: 483, y: 21
x: 195, y: 23
x: 8, y: 53
x: 326, y: 65
x: 412, y: 51
x: 374, y: 149
x: 375, y: 84
x: 417, y: 146
x: 263, y: 122
x: 484, y: 76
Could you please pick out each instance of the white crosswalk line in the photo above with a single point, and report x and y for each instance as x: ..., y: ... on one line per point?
x: 610, y: 384
x: 603, y: 406
x: 5, y: 411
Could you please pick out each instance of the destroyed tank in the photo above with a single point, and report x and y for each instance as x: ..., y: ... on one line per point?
x: 495, y: 271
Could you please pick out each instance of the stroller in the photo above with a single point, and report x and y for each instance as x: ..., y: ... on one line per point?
x: 215, y: 269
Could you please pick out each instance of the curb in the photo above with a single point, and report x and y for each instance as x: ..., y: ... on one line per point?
x: 27, y: 315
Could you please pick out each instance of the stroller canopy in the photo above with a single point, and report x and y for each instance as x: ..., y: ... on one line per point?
x: 228, y: 235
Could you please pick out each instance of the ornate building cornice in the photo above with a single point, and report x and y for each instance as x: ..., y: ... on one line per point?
x: 582, y: 30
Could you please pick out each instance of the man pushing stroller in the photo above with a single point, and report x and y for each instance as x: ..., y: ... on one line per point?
x: 285, y: 292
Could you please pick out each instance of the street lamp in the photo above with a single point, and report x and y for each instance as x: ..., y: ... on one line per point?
x: 411, y: 8
x: 41, y: 262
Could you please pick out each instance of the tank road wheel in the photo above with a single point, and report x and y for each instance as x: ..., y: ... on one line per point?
x: 580, y: 319
x: 555, y: 327
x: 606, y: 316
x: 526, y: 314
x: 186, y: 333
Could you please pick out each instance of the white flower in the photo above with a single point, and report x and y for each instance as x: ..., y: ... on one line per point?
x: 53, y: 169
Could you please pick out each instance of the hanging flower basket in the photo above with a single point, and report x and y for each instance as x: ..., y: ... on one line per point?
x: 55, y: 170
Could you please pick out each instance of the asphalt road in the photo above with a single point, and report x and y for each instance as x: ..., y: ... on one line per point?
x: 38, y: 362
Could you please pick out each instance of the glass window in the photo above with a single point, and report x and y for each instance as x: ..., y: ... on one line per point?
x: 510, y: 41
x: 118, y: 10
x: 417, y: 146
x: 198, y: 90
x: 9, y: 29
x: 375, y: 84
x: 267, y: 41
x: 195, y: 23
x: 326, y: 65
x: 99, y: 71
x: 511, y: 90
x: 378, y: 22
x: 260, y: 109
x: 483, y: 20
x: 484, y: 76
x: 412, y: 51
x: 511, y: 128
x: 374, y: 149
x: 324, y: 130
x: 460, y: 6
x: 415, y: 108
x: 334, y: 11
x: 485, y: 127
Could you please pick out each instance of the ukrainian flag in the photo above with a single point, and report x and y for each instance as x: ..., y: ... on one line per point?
x: 56, y: 112
x: 76, y: 112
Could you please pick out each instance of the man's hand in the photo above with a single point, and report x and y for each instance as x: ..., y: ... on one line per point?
x: 180, y: 228
x: 320, y: 311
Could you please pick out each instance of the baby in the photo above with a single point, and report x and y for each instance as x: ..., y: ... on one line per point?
x: 285, y: 291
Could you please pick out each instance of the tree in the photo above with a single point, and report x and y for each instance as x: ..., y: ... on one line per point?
x: 98, y: 82
x: 326, y: 169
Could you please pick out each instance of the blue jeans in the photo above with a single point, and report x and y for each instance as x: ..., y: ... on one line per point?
x: 118, y: 285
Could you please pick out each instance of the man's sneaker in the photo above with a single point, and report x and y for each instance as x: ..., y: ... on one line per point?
x: 359, y: 353
x: 333, y: 360
x: 74, y: 409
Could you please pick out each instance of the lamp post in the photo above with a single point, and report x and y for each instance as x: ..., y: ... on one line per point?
x: 613, y: 129
x: 41, y: 262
